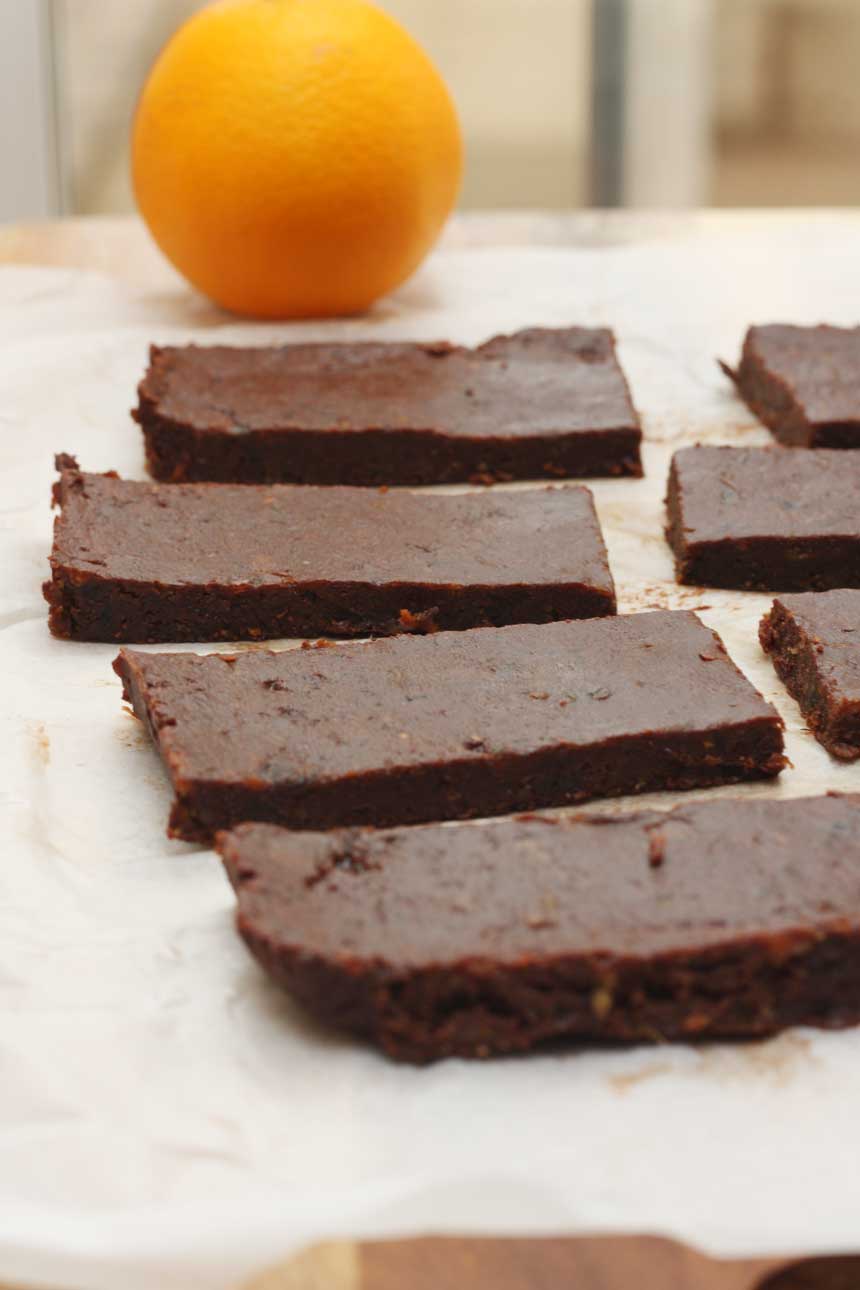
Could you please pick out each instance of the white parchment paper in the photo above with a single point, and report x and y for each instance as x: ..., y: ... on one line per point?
x: 167, y: 1119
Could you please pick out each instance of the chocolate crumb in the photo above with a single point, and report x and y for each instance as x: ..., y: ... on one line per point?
x: 656, y: 850
x: 422, y: 623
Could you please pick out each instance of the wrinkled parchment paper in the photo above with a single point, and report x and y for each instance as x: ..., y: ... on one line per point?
x: 167, y: 1119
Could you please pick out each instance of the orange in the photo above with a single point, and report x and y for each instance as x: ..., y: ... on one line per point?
x: 295, y: 158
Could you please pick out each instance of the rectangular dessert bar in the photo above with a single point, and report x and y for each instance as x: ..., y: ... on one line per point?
x: 450, y: 726
x: 536, y: 404
x: 724, y: 919
x: 194, y: 562
x: 765, y: 519
x: 814, y: 642
x: 803, y: 383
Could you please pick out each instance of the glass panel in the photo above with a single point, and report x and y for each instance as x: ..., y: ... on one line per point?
x: 786, y: 123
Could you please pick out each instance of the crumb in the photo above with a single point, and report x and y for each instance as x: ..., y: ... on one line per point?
x: 601, y: 1002
x: 656, y: 850
x: 423, y: 622
x: 546, y: 915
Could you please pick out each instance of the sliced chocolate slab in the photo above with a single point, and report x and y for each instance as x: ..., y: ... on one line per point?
x: 733, y: 918
x: 803, y: 383
x: 537, y: 404
x: 195, y: 562
x: 450, y: 726
x: 814, y: 643
x: 765, y: 519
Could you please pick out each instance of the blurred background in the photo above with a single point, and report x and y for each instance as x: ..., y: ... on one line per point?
x: 564, y: 103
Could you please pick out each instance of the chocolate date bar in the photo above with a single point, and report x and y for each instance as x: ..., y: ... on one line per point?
x: 813, y: 640
x: 194, y: 562
x: 728, y: 919
x: 450, y: 726
x: 765, y: 519
x: 803, y: 383
x: 537, y: 404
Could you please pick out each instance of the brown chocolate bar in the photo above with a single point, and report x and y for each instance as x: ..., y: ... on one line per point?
x: 537, y: 404
x: 450, y: 726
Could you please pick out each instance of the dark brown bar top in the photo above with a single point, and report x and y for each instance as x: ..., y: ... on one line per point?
x: 193, y: 562
x: 765, y: 519
x: 721, y: 919
x: 450, y: 726
x: 540, y: 403
x: 803, y: 383
x: 814, y: 642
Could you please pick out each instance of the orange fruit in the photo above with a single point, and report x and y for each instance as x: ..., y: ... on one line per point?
x: 295, y: 158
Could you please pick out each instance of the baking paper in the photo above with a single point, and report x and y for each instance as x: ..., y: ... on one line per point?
x: 167, y: 1118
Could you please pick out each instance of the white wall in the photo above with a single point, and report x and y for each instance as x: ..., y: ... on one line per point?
x: 30, y: 185
x: 668, y: 103
x: 520, y: 72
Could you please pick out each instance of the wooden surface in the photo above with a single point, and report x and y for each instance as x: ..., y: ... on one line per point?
x: 122, y: 248
x: 584, y: 1263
